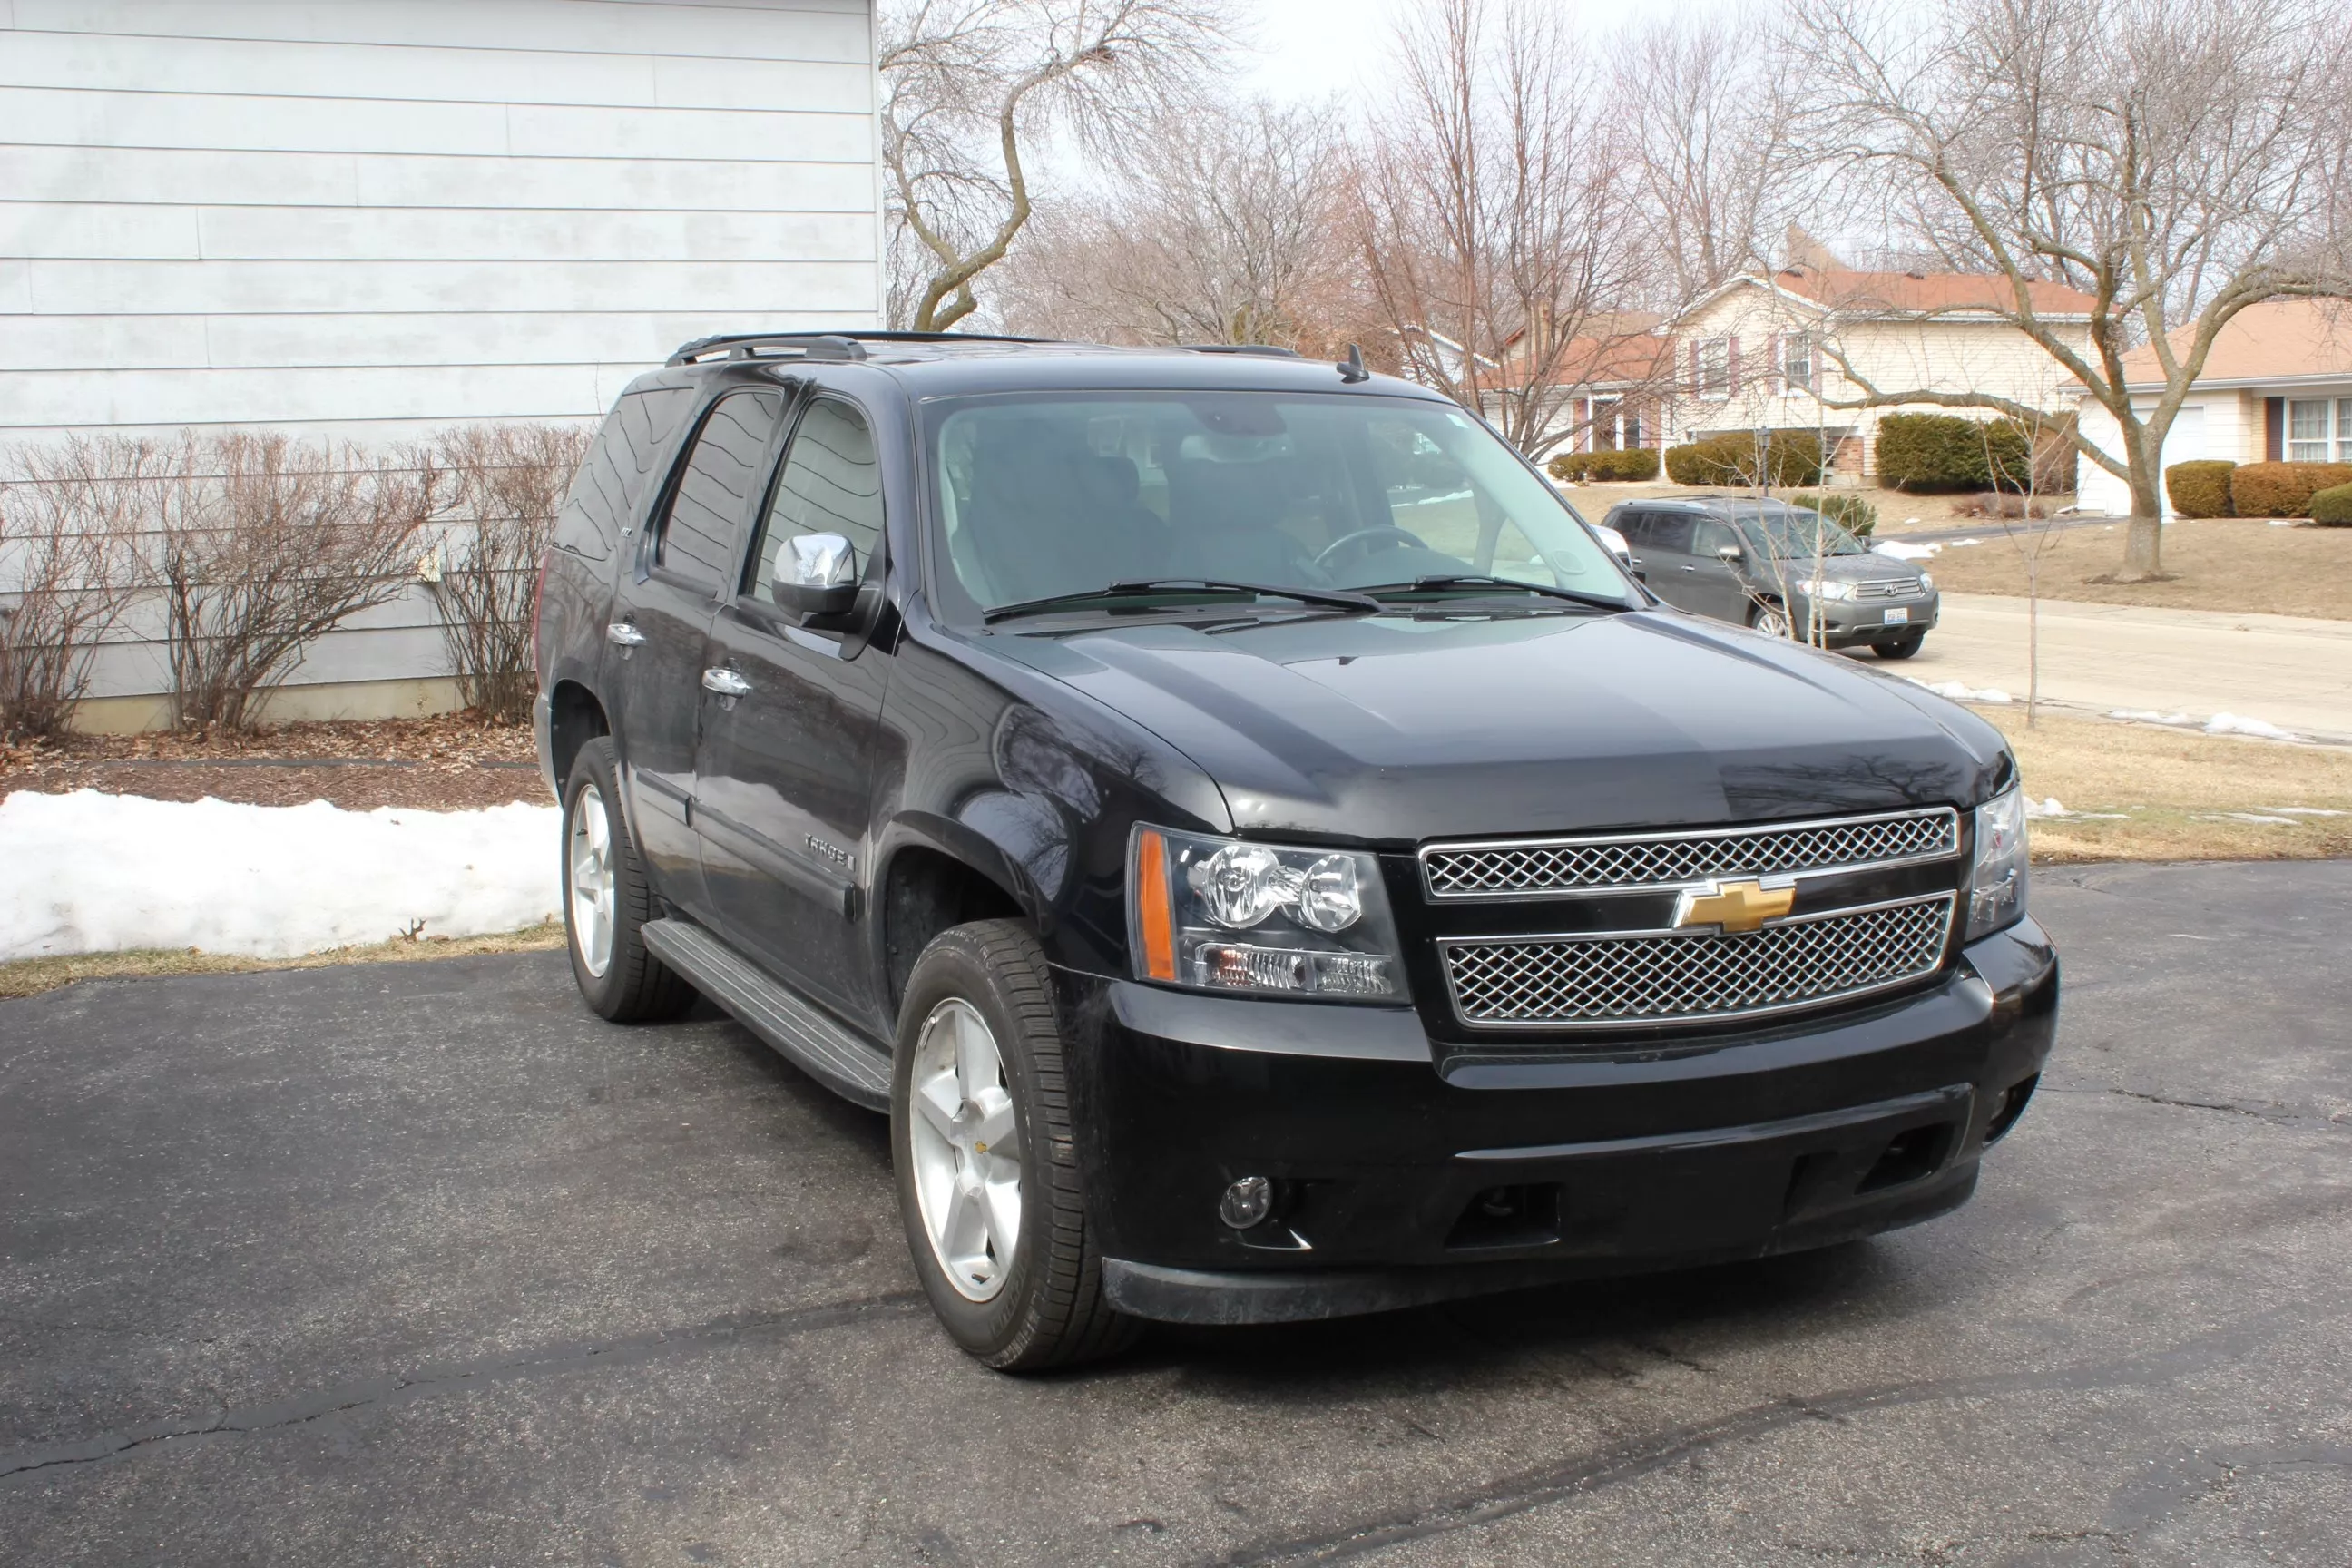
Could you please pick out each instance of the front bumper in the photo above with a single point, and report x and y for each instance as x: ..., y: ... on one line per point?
x: 1409, y: 1171
x: 1848, y: 623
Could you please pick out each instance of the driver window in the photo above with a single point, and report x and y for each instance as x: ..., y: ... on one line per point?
x: 830, y: 483
x: 1430, y: 495
x: 1712, y: 536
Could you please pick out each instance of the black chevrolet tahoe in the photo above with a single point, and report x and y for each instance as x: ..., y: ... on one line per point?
x: 1268, y: 858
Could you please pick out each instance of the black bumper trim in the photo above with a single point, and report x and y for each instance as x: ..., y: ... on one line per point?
x: 1952, y: 1099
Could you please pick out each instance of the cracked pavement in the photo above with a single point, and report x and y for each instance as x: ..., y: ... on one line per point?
x: 422, y: 1264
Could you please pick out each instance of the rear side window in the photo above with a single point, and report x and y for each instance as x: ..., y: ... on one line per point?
x: 1669, y: 531
x: 830, y: 484
x: 714, y: 489
x: 611, y: 484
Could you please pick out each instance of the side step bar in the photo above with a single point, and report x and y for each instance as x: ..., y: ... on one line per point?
x: 806, y: 1037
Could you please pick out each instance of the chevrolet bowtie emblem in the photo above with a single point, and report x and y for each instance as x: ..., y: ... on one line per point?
x: 1742, y: 906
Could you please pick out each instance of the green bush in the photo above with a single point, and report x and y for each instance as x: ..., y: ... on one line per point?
x: 2283, y: 489
x: 1852, y: 513
x: 1789, y: 458
x: 2199, y: 488
x: 1947, y: 452
x: 1633, y: 465
x: 2332, y: 505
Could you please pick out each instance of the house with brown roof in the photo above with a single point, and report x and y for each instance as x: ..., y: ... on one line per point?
x: 1784, y: 351
x: 2277, y: 387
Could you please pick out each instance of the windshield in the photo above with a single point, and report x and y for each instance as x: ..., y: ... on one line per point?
x: 1049, y: 496
x: 1796, y: 535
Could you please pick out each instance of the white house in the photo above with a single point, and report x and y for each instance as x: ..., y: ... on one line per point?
x: 2276, y: 388
x: 373, y: 218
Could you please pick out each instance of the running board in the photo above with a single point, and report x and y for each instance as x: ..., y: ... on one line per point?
x: 807, y: 1039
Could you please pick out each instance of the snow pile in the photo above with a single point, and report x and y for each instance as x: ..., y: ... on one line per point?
x: 2050, y: 807
x: 2236, y: 724
x: 89, y: 872
x: 2147, y: 716
x: 2302, y: 811
x: 1959, y: 693
x: 1965, y: 544
x: 1896, y: 550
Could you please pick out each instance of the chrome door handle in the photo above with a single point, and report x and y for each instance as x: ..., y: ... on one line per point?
x: 621, y: 634
x: 726, y: 682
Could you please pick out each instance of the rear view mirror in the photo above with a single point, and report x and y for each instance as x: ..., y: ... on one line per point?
x: 821, y: 576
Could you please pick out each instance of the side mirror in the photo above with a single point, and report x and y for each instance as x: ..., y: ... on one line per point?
x: 820, y: 578
x: 1730, y: 552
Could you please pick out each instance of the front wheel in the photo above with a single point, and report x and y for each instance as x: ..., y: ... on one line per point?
x: 1769, y: 618
x: 1899, y: 647
x: 989, y: 1188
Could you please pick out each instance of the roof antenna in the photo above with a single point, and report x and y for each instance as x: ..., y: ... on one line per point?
x: 1351, y: 369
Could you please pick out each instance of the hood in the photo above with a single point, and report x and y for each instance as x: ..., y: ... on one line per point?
x: 1399, y: 728
x: 1868, y: 567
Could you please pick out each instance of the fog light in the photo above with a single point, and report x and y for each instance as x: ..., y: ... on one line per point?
x: 1246, y: 1202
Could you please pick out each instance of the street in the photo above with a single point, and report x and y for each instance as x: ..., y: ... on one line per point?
x: 424, y: 1264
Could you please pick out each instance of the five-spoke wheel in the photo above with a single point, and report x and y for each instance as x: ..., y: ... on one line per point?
x: 589, y: 848
x: 967, y: 1149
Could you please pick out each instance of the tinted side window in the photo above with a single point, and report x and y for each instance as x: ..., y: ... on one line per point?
x: 612, y: 481
x: 1633, y: 525
x: 1713, y: 536
x: 715, y: 489
x: 1670, y: 531
x: 830, y: 484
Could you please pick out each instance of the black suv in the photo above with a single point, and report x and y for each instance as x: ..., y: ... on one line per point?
x: 1784, y: 570
x: 1268, y: 858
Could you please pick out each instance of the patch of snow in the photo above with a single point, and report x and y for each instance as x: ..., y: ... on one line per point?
x: 1959, y: 693
x: 2304, y: 811
x: 2235, y: 724
x: 1910, y: 522
x: 2050, y: 807
x: 2255, y: 817
x: 90, y: 872
x: 1964, y: 543
x: 1898, y: 550
x: 2148, y: 716
x: 2286, y: 523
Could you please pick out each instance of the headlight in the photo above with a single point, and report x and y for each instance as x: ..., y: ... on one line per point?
x: 1822, y: 588
x: 1927, y: 581
x: 1997, y: 888
x: 1315, y: 922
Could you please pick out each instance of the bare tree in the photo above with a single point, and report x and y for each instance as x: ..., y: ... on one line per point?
x: 1225, y: 228
x: 969, y: 85
x: 505, y: 484
x: 2174, y: 160
x: 67, y: 530
x: 1494, y: 209
x: 260, y: 544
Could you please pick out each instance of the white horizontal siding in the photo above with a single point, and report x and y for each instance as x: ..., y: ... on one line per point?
x: 175, y: 288
x: 818, y: 29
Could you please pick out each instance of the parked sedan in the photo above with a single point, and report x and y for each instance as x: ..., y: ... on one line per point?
x: 1784, y: 570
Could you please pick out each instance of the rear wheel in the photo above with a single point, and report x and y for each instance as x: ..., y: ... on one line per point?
x: 989, y: 1188
x: 607, y: 901
x: 1903, y: 647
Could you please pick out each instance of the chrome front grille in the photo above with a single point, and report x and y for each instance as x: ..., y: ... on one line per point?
x: 1552, y: 868
x: 1888, y: 588
x: 1601, y: 980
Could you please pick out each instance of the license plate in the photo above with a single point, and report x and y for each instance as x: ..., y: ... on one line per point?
x: 1899, y: 618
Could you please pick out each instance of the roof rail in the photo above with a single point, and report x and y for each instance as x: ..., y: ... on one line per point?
x: 839, y: 344
x: 1256, y: 350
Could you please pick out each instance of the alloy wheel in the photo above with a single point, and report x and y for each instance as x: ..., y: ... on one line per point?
x: 1773, y: 621
x: 967, y: 1149
x: 590, y: 852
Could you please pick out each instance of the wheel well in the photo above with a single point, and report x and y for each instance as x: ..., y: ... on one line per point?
x: 925, y: 892
x: 575, y: 718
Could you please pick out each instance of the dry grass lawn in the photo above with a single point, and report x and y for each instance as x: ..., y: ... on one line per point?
x: 2220, y: 564
x: 30, y: 976
x: 2164, y: 794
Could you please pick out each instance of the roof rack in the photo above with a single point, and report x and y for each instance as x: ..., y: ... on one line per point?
x: 841, y: 343
x: 1257, y: 350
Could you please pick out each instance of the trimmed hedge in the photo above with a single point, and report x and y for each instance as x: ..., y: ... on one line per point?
x: 2332, y: 505
x: 1945, y: 451
x: 1634, y: 464
x: 2200, y: 489
x: 2283, y: 489
x: 1790, y: 457
x: 1852, y: 513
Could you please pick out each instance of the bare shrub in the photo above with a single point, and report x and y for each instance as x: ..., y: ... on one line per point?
x: 258, y: 545
x: 505, y: 485
x: 65, y: 535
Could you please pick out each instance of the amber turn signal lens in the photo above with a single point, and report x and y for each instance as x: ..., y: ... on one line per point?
x: 1152, y: 911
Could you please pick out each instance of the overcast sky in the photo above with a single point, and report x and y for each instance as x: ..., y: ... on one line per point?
x: 1314, y: 49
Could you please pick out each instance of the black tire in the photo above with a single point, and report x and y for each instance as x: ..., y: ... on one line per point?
x: 1762, y: 615
x: 1899, y: 647
x: 1049, y: 1310
x: 635, y: 987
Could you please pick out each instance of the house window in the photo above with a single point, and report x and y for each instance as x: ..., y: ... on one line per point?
x: 2344, y: 429
x: 1715, y: 367
x: 1797, y: 360
x: 2307, y: 429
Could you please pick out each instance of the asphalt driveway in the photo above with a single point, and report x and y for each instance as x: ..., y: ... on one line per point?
x: 422, y: 1264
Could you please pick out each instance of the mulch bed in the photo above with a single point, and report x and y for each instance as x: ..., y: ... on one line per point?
x: 450, y: 763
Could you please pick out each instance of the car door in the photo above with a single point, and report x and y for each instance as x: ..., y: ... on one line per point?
x: 1666, y: 548
x: 791, y: 723
x: 660, y: 620
x: 1716, y: 586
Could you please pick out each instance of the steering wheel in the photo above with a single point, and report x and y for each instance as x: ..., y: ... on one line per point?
x: 1361, y: 539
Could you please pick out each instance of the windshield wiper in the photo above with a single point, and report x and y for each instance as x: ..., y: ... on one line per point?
x: 1472, y: 580
x: 1337, y: 598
